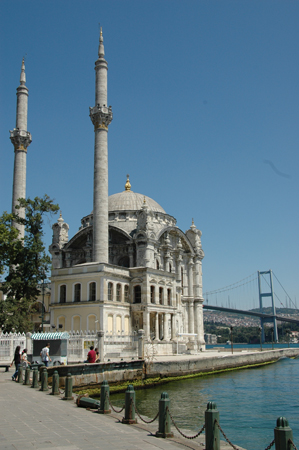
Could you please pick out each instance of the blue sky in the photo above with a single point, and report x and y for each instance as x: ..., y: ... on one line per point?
x: 205, y: 100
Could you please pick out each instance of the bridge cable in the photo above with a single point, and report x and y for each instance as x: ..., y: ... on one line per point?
x: 228, y: 288
x: 284, y: 290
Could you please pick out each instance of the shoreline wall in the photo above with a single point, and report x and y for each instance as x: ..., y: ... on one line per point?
x: 130, y: 371
x: 172, y: 368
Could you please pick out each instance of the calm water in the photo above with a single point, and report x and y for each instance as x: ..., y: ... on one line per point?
x: 249, y: 402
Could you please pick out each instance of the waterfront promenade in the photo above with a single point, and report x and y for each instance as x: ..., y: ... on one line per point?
x: 31, y: 419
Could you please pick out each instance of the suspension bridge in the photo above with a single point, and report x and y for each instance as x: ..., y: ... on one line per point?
x: 244, y: 291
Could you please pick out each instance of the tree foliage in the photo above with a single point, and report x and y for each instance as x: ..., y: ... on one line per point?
x: 23, y: 262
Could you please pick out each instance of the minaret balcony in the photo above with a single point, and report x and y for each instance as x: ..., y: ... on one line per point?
x: 20, y: 138
x: 101, y: 116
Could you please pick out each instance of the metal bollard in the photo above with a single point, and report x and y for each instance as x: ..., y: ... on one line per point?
x: 86, y: 402
x: 68, y: 395
x: 129, y: 406
x: 282, y: 434
x: 35, y: 378
x: 104, y: 404
x: 20, y: 373
x: 55, y: 383
x: 44, y: 380
x: 164, y: 417
x: 27, y: 376
x: 211, y: 428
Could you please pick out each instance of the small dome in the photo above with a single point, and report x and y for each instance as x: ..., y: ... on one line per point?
x: 131, y: 201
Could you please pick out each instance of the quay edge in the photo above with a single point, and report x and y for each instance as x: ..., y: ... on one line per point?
x: 166, y: 368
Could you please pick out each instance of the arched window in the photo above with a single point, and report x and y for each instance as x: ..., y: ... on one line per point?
x: 76, y: 323
x: 77, y: 292
x: 92, y: 292
x: 61, y: 321
x: 161, y: 295
x: 118, y: 325
x: 170, y: 267
x: 118, y: 292
x: 137, y: 294
x: 169, y: 297
x: 152, y: 294
x: 62, y: 293
x: 127, y: 325
x: 182, y: 277
x: 126, y: 292
x: 110, y: 324
x: 110, y: 291
x: 91, y: 323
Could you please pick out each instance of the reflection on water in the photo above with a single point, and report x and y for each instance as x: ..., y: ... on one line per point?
x: 249, y: 401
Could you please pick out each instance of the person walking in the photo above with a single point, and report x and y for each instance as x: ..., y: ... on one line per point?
x: 17, y: 361
x: 24, y: 360
x: 45, y: 355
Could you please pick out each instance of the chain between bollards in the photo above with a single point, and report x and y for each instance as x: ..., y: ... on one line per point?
x: 184, y: 435
x: 225, y: 437
x: 270, y: 445
x: 292, y: 444
x: 143, y: 420
x: 112, y: 407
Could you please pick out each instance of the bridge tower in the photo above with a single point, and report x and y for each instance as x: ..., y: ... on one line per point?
x: 267, y: 294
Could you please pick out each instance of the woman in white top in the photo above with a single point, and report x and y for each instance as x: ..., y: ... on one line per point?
x: 24, y: 358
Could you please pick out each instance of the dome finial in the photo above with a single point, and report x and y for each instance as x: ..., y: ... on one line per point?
x: 23, y: 75
x: 128, y: 184
x: 101, y: 45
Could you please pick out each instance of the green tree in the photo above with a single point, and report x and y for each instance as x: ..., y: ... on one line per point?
x: 23, y: 262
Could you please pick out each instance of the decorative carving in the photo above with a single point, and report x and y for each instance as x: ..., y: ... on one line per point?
x: 20, y: 139
x: 101, y: 116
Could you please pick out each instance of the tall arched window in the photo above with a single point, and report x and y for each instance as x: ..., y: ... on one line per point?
x: 77, y: 292
x: 92, y: 292
x: 62, y: 293
x: 110, y: 291
x: 118, y: 325
x: 118, y: 292
x: 152, y: 294
x: 182, y: 277
x: 169, y: 297
x: 76, y: 323
x: 161, y: 295
x: 137, y: 294
x: 91, y: 323
x: 126, y: 292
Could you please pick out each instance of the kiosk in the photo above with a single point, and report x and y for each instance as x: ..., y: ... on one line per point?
x: 58, y: 347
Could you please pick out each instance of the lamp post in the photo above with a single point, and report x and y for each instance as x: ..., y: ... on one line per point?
x: 231, y: 339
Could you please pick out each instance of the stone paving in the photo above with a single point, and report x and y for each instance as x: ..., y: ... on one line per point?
x: 31, y: 419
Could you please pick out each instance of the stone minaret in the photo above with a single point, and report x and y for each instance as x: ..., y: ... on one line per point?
x: 21, y: 139
x: 101, y: 116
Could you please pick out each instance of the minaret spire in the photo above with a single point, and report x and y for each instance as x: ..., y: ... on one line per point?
x: 21, y: 139
x: 101, y: 117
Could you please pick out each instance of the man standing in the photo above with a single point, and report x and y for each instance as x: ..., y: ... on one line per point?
x: 91, y: 355
x: 45, y: 355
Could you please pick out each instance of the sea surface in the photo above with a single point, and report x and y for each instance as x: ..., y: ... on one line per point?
x: 249, y: 402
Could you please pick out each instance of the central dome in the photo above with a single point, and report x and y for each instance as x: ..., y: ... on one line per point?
x: 131, y: 201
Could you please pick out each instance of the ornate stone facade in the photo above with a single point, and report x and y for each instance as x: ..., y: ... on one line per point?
x: 152, y: 277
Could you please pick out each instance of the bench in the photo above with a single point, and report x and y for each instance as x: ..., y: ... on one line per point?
x: 7, y: 366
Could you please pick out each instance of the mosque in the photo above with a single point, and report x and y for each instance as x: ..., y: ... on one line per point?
x: 129, y: 267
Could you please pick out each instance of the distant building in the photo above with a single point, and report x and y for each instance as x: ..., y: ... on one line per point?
x: 210, y: 338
